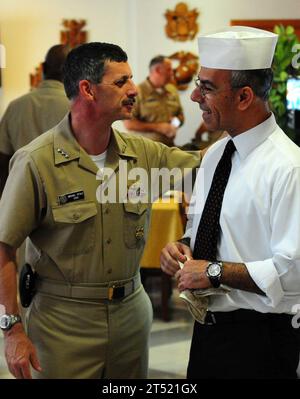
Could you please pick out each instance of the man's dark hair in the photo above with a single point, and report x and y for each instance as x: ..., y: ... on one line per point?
x: 159, y: 59
x: 260, y: 81
x: 54, y: 62
x: 87, y: 62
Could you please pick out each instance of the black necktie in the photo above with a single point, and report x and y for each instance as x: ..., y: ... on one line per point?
x: 208, y: 232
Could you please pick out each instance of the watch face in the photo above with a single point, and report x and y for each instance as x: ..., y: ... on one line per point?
x: 4, y: 321
x: 214, y: 269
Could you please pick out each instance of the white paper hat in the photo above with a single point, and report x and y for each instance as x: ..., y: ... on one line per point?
x: 237, y: 48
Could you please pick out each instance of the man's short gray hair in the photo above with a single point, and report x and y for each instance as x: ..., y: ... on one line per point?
x: 260, y: 81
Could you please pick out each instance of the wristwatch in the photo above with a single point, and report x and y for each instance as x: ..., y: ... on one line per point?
x: 9, y: 320
x: 214, y: 273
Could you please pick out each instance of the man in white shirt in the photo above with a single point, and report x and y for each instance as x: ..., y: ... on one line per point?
x: 252, y: 239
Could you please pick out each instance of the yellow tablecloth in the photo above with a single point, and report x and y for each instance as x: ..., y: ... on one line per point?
x: 165, y: 226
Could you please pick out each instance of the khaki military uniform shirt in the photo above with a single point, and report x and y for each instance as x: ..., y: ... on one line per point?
x: 157, y: 105
x: 31, y: 115
x: 80, y: 241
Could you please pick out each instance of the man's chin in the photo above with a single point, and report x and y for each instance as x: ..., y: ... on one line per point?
x: 124, y: 117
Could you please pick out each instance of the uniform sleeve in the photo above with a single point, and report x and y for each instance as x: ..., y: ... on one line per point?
x: 22, y: 202
x: 5, y: 141
x: 171, y: 169
x: 279, y: 276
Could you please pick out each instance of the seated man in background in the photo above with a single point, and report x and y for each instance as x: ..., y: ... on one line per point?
x: 203, y: 138
x: 157, y: 112
x: 36, y: 112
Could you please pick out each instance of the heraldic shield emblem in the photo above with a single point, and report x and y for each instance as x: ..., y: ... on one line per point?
x: 181, y: 23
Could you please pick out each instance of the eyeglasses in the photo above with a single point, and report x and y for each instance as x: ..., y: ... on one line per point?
x: 206, y: 91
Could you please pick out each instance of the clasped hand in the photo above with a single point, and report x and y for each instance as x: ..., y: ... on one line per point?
x: 192, y: 275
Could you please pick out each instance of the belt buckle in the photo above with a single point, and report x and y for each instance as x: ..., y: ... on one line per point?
x: 212, y: 321
x: 116, y: 292
x: 119, y: 292
x: 111, y: 292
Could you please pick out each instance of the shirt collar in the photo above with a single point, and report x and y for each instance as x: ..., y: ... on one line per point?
x: 119, y: 145
x: 247, y: 141
x: 152, y: 89
x: 51, y: 84
x: 66, y: 148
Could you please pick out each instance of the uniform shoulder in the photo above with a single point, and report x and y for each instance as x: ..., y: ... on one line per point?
x: 40, y: 142
x: 142, y: 85
x: 16, y: 103
x: 171, y: 88
x: 138, y: 143
x: 136, y: 140
x: 288, y: 153
x: 144, y: 88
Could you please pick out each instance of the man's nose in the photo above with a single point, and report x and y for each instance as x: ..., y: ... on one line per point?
x: 132, y: 91
x: 196, y: 95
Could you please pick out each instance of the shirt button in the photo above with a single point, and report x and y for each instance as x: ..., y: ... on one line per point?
x: 76, y: 216
x: 108, y: 241
x: 109, y: 271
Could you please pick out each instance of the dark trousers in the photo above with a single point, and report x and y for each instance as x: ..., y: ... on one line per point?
x: 244, y: 344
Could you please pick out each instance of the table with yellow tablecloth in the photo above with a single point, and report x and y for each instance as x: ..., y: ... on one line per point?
x: 166, y: 226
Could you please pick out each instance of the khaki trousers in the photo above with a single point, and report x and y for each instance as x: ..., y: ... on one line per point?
x: 89, y: 339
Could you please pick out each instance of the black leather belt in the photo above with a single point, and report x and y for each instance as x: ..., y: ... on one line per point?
x: 245, y: 315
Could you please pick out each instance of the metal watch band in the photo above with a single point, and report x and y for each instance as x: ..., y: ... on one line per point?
x: 7, y: 321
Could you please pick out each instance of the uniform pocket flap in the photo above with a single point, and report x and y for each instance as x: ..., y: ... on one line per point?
x: 138, y: 208
x: 74, y: 213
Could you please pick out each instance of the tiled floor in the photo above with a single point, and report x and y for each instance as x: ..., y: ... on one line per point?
x: 169, y: 346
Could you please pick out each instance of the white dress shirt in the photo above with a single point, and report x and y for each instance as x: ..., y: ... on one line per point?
x: 260, y: 217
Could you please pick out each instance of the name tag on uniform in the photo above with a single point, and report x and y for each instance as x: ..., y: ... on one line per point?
x: 70, y: 197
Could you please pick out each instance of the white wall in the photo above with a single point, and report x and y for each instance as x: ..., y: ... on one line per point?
x: 29, y: 27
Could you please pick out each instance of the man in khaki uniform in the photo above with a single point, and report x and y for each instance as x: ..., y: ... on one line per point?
x: 157, y: 112
x: 90, y: 317
x: 36, y: 112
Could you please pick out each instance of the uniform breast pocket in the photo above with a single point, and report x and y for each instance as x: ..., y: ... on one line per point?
x: 75, y: 226
x: 135, y: 224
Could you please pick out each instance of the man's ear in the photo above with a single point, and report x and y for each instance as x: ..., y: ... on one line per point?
x: 85, y: 89
x: 245, y: 98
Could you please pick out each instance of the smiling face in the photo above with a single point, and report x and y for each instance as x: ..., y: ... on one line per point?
x: 216, y: 99
x: 115, y: 95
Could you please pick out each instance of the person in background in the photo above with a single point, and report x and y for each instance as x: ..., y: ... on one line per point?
x: 90, y: 316
x: 203, y: 139
x: 36, y: 112
x: 157, y: 112
x: 243, y: 231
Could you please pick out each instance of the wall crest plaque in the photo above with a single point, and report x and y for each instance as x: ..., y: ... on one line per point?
x: 181, y: 23
x: 186, y: 69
